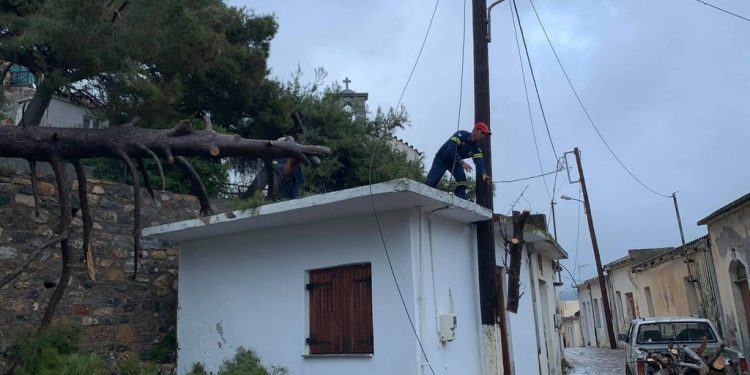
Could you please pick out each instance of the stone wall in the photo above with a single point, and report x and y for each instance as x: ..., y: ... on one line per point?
x: 119, y: 316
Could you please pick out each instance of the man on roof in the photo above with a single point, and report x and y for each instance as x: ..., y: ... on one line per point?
x: 450, y: 157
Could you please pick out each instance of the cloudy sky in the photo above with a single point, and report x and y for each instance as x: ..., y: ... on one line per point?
x: 667, y: 82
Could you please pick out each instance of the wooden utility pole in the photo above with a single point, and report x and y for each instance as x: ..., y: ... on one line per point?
x: 679, y: 219
x: 552, y: 203
x: 488, y: 297
x: 595, y: 245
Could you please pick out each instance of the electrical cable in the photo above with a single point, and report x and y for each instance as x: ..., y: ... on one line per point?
x: 583, y: 107
x: 524, y: 178
x: 528, y: 103
x: 533, y: 78
x: 372, y: 197
x: 419, y: 54
x: 724, y: 10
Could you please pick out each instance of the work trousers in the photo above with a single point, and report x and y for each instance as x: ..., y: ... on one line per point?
x: 451, y: 163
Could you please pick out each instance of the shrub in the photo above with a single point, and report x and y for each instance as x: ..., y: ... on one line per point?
x: 245, y: 362
x: 132, y: 366
x: 164, y: 351
x: 53, y: 351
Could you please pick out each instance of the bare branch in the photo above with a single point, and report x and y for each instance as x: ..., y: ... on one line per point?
x: 146, y: 180
x: 197, y: 187
x: 158, y: 166
x: 207, y: 121
x: 63, y: 191
x: 85, y: 217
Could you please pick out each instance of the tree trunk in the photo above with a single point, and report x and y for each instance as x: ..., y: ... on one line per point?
x: 516, y: 253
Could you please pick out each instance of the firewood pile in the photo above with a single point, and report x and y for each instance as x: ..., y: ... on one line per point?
x: 682, y: 360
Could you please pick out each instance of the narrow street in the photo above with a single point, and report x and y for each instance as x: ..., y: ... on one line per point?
x: 596, y: 361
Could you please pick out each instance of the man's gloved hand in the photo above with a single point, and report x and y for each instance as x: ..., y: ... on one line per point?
x: 487, y: 179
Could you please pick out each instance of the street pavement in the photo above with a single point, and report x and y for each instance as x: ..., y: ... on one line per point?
x: 596, y: 361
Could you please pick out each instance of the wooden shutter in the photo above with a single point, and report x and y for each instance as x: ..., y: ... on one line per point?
x: 358, y: 336
x: 341, y: 310
x: 324, y: 314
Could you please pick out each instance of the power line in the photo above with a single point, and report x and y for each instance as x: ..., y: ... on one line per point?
x: 461, y: 82
x: 421, y: 48
x: 533, y: 78
x: 525, y: 178
x: 724, y: 10
x: 583, y: 107
x: 372, y: 196
x: 528, y: 103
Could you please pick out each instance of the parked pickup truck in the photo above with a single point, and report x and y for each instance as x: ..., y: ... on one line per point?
x: 659, y: 334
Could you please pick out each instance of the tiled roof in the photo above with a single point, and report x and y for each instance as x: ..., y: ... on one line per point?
x: 736, y: 203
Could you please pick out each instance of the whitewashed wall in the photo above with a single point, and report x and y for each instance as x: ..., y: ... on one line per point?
x: 456, y: 291
x: 524, y: 335
x: 248, y: 290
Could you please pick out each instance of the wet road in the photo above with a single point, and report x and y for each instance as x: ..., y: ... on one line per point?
x: 596, y: 361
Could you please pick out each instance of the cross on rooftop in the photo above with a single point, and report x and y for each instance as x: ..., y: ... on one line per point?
x: 347, y: 81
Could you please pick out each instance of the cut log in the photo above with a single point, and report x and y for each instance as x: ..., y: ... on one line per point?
x: 516, y: 252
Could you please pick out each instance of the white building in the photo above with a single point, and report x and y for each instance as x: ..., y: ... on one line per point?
x: 535, y: 331
x: 307, y: 284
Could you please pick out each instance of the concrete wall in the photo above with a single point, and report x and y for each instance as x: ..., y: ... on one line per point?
x: 730, y: 246
x: 590, y: 297
x: 620, y: 282
x: 572, y: 332
x: 248, y: 290
x: 666, y: 281
x: 536, y: 342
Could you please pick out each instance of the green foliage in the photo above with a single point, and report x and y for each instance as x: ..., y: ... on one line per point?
x: 214, y: 174
x: 566, y: 366
x: 53, y: 351
x: 132, y: 366
x: 198, y: 369
x: 164, y: 351
x: 245, y: 362
x: 161, y: 60
x: 354, y: 143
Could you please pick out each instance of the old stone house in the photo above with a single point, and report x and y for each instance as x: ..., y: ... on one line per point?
x: 651, y: 282
x: 729, y: 238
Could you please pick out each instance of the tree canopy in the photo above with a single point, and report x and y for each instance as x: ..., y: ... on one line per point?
x: 314, y: 113
x: 160, y: 60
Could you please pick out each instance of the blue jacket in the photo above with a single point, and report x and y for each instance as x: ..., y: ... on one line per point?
x: 461, y: 144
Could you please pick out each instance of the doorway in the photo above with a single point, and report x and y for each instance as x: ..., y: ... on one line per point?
x: 738, y: 273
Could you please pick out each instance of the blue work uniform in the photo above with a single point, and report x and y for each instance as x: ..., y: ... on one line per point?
x: 448, y: 158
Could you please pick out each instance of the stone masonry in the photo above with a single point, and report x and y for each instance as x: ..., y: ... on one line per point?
x: 120, y: 316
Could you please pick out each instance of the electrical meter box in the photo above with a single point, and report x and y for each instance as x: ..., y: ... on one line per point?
x: 447, y: 323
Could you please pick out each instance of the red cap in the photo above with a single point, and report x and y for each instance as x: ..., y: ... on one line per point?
x: 483, y: 128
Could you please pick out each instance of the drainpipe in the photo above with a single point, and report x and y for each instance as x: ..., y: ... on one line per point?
x: 420, y: 289
x: 434, y: 291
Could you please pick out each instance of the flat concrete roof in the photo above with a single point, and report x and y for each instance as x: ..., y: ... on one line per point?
x: 387, y: 196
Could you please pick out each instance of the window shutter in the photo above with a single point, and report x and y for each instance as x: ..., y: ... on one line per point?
x: 341, y: 310
x: 358, y: 312
x: 325, y: 327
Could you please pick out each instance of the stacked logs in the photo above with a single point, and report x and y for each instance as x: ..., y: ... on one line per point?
x: 684, y: 360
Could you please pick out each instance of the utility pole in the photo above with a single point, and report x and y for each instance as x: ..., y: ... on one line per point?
x: 552, y: 203
x: 679, y: 220
x: 595, y: 245
x: 488, y: 296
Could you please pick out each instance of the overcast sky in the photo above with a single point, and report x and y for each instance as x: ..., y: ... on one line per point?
x: 668, y: 83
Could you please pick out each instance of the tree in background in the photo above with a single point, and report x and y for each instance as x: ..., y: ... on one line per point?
x: 313, y: 113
